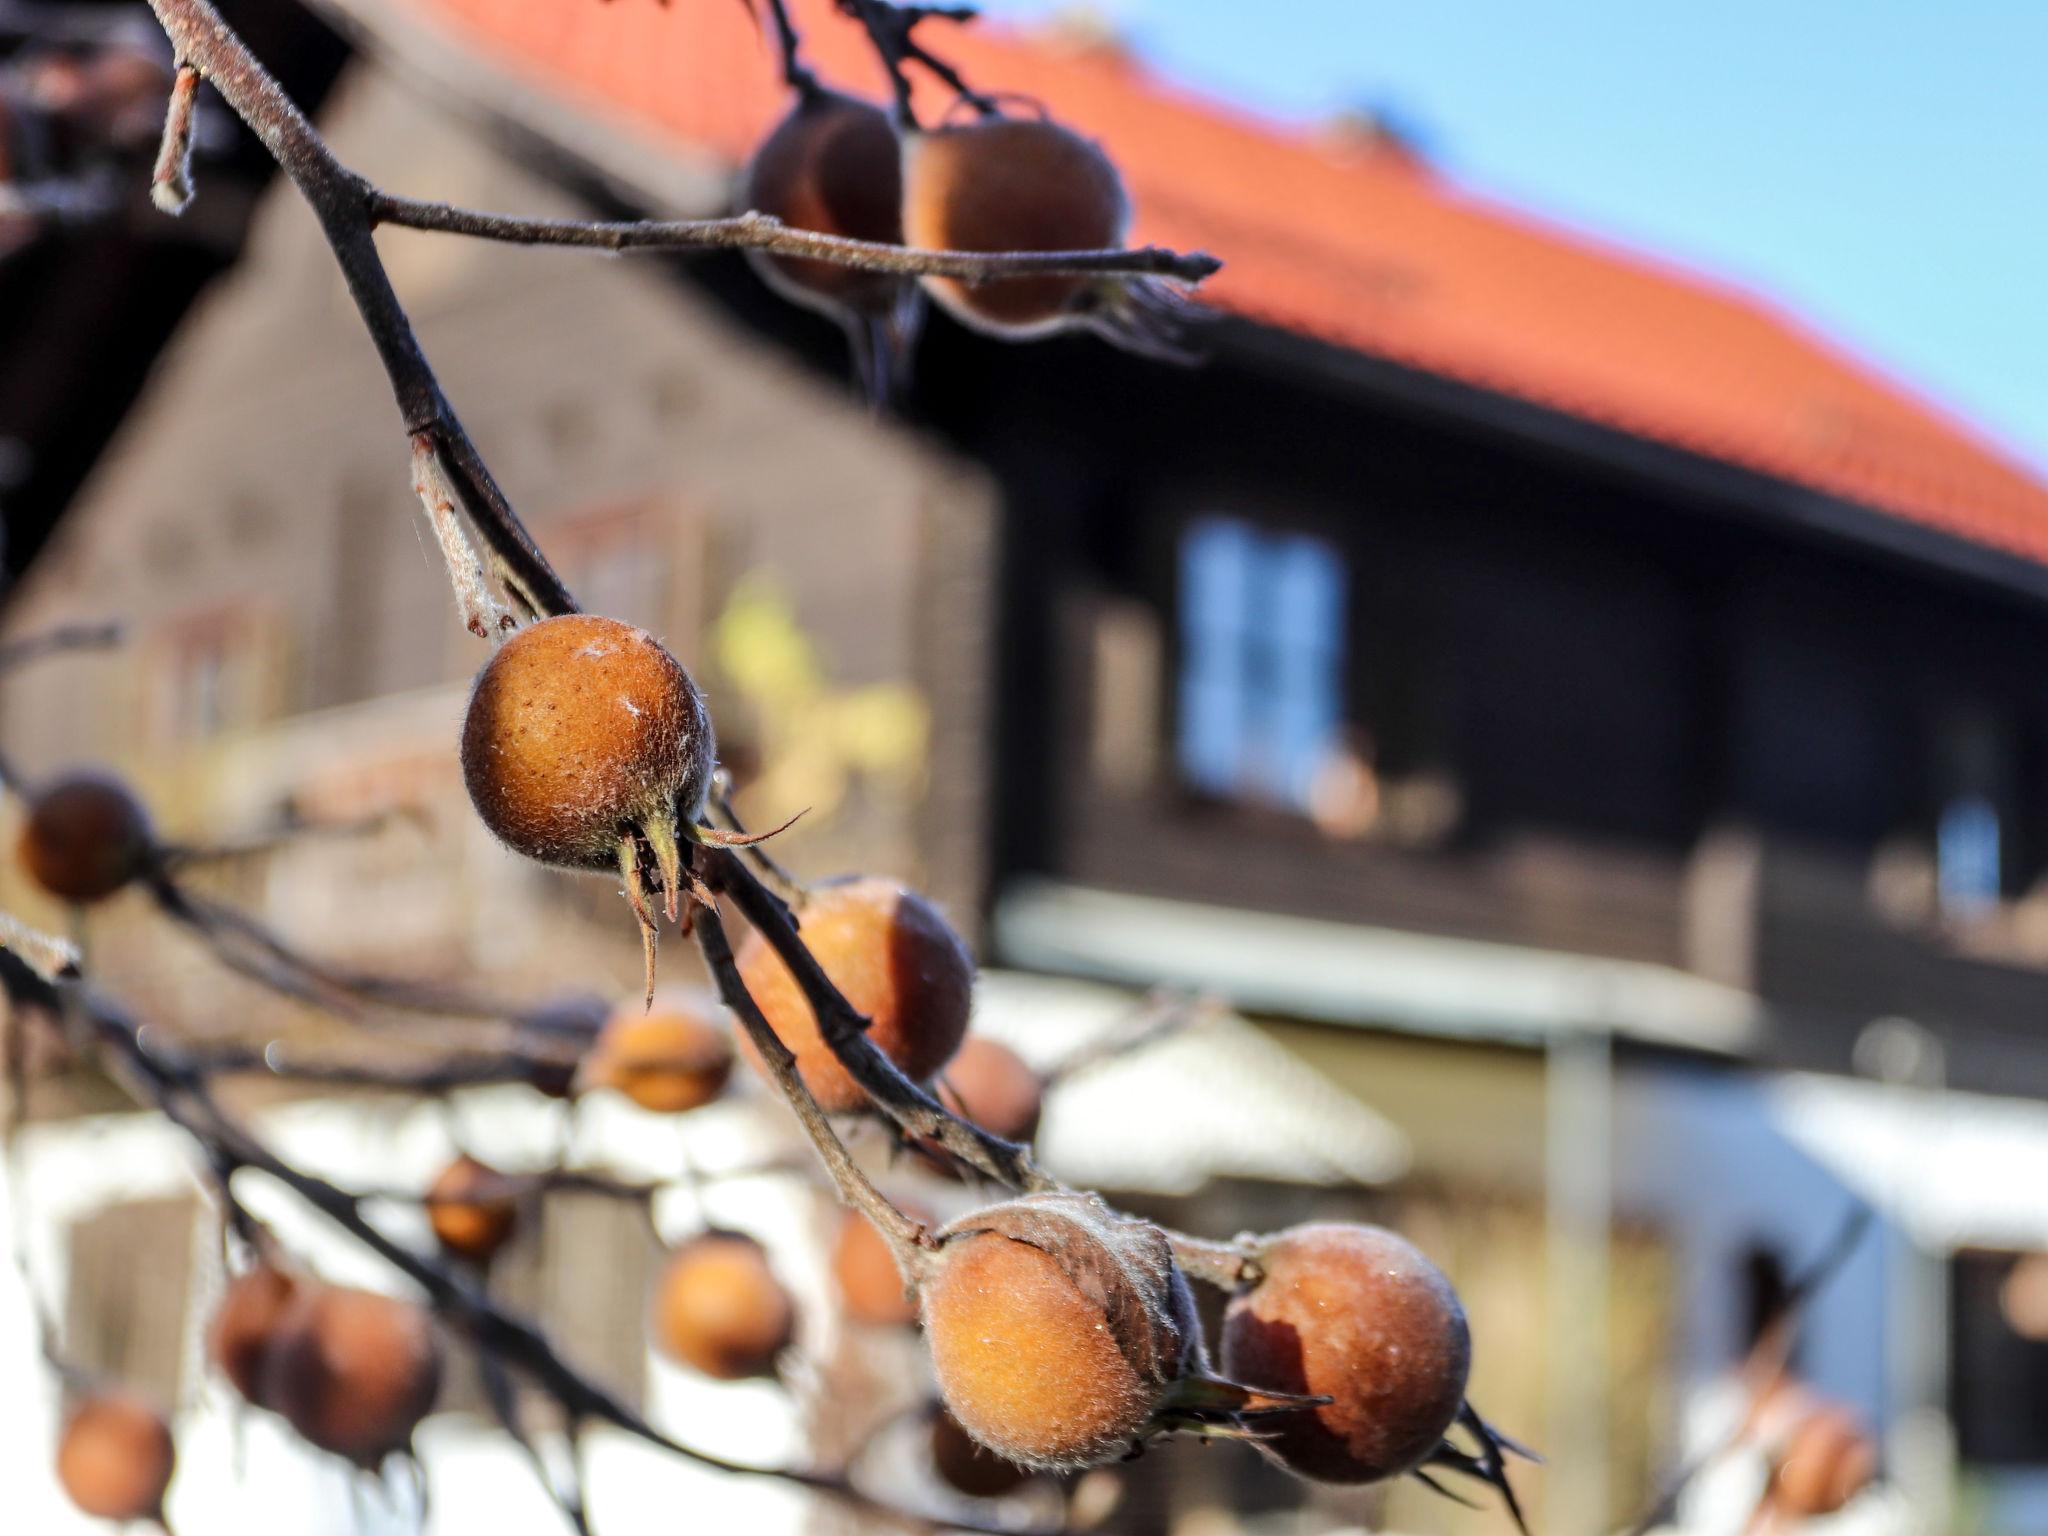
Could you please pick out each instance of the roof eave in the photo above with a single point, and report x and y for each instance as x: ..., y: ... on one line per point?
x: 1715, y: 486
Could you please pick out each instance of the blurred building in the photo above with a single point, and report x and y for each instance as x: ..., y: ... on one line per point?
x: 1574, y: 710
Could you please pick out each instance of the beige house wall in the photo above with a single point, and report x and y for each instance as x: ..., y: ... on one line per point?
x: 291, y: 633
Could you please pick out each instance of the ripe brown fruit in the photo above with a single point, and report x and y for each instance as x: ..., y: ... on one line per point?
x: 966, y: 1467
x: 895, y: 959
x: 833, y: 165
x: 1355, y: 1313
x: 988, y: 1083
x: 353, y: 1371
x: 472, y: 1210
x: 674, y: 1058
x: 115, y: 1457
x: 86, y: 836
x: 1828, y: 1459
x: 1028, y: 184
x: 587, y: 746
x: 870, y: 1285
x: 719, y: 1309
x: 1062, y: 1334
x: 251, y: 1311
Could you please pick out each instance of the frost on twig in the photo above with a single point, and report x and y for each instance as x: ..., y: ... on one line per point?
x: 170, y: 184
x: 482, y: 613
x: 48, y: 956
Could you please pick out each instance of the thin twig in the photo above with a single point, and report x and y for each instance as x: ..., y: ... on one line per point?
x: 908, y: 1238
x: 760, y: 232
x: 1765, y: 1364
x: 482, y: 614
x: 910, y: 1107
x: 438, y: 1075
x: 170, y: 184
x: 1162, y: 1015
x: 340, y: 200
x: 157, y: 1082
x: 795, y: 73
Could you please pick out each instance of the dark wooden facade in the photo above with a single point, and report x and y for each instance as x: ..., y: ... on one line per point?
x: 1605, y: 665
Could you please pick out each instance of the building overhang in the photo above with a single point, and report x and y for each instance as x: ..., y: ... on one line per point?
x: 1369, y: 977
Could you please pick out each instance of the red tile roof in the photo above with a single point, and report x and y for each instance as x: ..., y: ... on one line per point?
x: 1365, y: 249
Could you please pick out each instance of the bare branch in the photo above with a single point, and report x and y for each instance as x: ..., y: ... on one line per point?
x: 482, y: 614
x: 340, y: 200
x: 911, y: 1108
x: 1765, y: 1365
x: 908, y: 1238
x: 170, y: 184
x: 157, y: 1081
x: 760, y: 232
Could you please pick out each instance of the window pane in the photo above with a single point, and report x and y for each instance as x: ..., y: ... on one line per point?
x: 1307, y: 607
x: 1968, y: 854
x: 1214, y: 591
x: 1262, y: 626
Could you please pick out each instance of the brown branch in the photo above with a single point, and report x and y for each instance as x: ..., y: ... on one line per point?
x: 760, y: 232
x: 340, y: 200
x: 910, y: 1107
x: 909, y: 1240
x: 1160, y: 1016
x: 439, y: 1075
x: 170, y: 183
x: 156, y: 1080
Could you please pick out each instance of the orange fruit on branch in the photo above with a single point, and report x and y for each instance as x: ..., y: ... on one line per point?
x: 86, y: 837
x: 1357, y: 1314
x: 354, y: 1372
x: 719, y: 1309
x: 115, y: 1457
x: 472, y: 1210
x: 673, y: 1058
x: 893, y: 957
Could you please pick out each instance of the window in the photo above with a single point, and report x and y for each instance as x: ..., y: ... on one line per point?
x: 129, y: 1269
x: 217, y: 670
x: 615, y: 563
x: 1970, y: 854
x: 1967, y: 854
x: 1261, y: 660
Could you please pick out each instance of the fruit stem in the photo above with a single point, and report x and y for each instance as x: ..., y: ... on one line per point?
x: 636, y: 896
x: 660, y: 831
x: 910, y: 1241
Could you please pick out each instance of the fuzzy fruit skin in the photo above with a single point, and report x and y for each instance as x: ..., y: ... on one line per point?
x: 471, y: 1214
x: 354, y: 1372
x: 870, y: 1286
x: 671, y: 1059
x: 988, y: 1083
x: 1011, y: 184
x: 895, y: 959
x: 832, y: 165
x: 719, y: 1309
x: 1057, y: 1329
x: 579, y: 730
x: 252, y: 1309
x: 1827, y: 1461
x: 966, y: 1467
x: 86, y: 836
x: 1357, y: 1314
x: 116, y: 1457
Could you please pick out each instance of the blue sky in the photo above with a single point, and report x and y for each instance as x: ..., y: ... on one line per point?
x: 1879, y: 166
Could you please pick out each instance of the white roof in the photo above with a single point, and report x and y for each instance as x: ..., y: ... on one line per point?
x: 1953, y: 1170
x: 1218, y: 1098
x: 1352, y: 974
